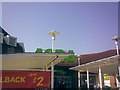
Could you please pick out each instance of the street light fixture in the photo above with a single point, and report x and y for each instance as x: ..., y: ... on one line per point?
x: 53, y: 33
x: 116, y: 43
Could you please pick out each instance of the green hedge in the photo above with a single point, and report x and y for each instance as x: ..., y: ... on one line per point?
x: 70, y: 59
x: 71, y: 51
x: 48, y: 51
x: 59, y: 51
x: 39, y: 50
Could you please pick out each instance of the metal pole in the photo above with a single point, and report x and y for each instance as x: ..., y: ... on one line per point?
x: 100, y: 77
x: 53, y: 33
x: 116, y: 43
x: 79, y: 73
x: 52, y: 75
x: 53, y: 41
x: 88, y: 79
x: 117, y: 48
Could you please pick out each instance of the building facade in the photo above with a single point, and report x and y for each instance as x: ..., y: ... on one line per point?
x: 9, y: 44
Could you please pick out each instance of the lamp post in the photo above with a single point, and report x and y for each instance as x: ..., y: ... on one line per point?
x: 116, y: 43
x: 53, y: 33
x: 117, y: 47
x: 78, y: 57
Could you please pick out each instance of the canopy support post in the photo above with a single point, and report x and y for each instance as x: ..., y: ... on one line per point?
x: 100, y: 77
x: 88, y: 79
x: 52, y: 75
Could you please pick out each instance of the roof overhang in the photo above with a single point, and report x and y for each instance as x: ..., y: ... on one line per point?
x: 108, y: 65
x: 30, y: 61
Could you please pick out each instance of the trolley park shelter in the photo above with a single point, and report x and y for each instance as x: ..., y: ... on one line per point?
x: 36, y: 63
x: 109, y: 65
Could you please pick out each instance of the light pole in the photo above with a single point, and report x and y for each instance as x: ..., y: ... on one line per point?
x: 116, y: 43
x: 117, y: 47
x: 53, y: 33
x: 78, y: 57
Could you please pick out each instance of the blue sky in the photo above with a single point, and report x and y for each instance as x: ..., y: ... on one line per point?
x: 85, y: 27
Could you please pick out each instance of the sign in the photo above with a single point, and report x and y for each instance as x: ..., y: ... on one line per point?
x: 25, y: 79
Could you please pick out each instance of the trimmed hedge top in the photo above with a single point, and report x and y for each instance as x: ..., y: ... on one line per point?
x: 70, y: 51
x: 59, y: 51
x: 40, y: 50
x: 48, y: 51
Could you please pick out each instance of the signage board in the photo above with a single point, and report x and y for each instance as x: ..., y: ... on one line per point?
x: 25, y: 79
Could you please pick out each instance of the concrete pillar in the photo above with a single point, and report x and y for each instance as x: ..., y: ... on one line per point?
x: 52, y: 75
x: 88, y: 83
x: 79, y: 84
x: 100, y: 77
